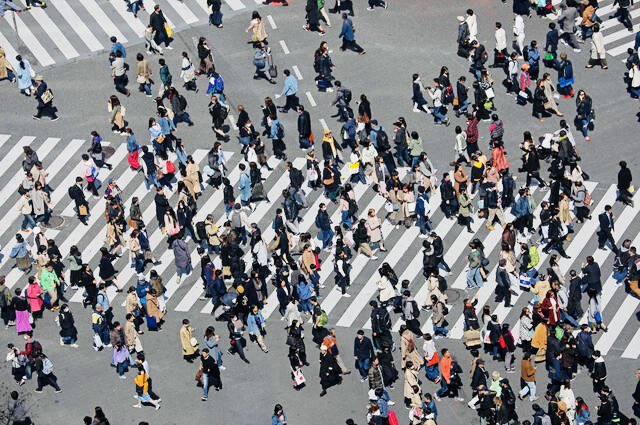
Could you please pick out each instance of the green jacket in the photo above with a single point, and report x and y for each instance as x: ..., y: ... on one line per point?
x: 415, y: 147
x: 48, y: 280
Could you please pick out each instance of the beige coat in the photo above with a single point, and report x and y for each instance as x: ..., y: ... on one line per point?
x: 409, y: 350
x: 192, y: 181
x: 186, y: 333
x: 132, y: 302
x: 143, y: 70
x: 410, y: 379
x: 4, y: 65
x: 549, y: 90
x: 259, y: 33
x: 153, y: 308
x: 114, y: 234
x: 374, y: 226
x: 129, y: 334
x: 116, y: 116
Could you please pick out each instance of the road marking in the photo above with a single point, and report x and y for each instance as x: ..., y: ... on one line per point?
x: 285, y: 49
x: 9, y: 50
x: 633, y: 349
x: 103, y: 20
x: 272, y: 22
x: 185, y: 13
x: 296, y: 71
x: 323, y: 123
x: 235, y: 4
x: 135, y: 23
x: 54, y: 33
x: 39, y: 52
x: 77, y: 24
x: 312, y: 101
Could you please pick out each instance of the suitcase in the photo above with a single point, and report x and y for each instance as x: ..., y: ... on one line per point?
x: 393, y: 419
x: 472, y: 339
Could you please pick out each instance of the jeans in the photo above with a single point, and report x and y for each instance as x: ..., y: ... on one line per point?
x: 146, y: 88
x: 463, y: 107
x: 28, y: 222
x: 120, y: 81
x: 584, y: 125
x: 205, y: 385
x: 444, y: 388
x: 121, y: 368
x: 567, y: 318
x: 474, y: 280
x: 150, y: 180
x: 326, y: 236
x: 305, y: 306
x: 69, y: 340
x: 402, y: 155
x: 439, y: 116
x: 424, y: 224
x: 440, y: 331
x: 138, y: 263
x: 346, y: 218
x: 183, y: 117
x: 363, y: 367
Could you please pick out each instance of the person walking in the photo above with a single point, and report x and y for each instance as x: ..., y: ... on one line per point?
x: 210, y: 374
x: 188, y: 342
x: 44, y: 96
x: 625, y: 188
x: 363, y: 353
x: 347, y: 33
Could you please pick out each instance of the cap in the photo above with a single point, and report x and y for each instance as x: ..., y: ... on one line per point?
x: 374, y: 122
x: 39, y: 78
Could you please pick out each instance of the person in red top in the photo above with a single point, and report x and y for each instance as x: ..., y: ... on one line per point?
x: 445, y: 372
x: 551, y: 308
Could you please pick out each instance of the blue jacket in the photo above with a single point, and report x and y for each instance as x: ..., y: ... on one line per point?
x: 347, y: 30
x: 290, y: 86
x: 421, y: 205
x: 552, y: 41
x: 363, y: 349
x: 273, y: 130
x: 244, y: 184
x: 304, y: 290
x: 255, y: 322
x: 167, y: 125
x: 119, y: 47
x: 132, y: 143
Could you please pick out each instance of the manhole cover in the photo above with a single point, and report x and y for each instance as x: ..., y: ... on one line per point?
x: 453, y: 295
x: 55, y: 222
x: 108, y: 151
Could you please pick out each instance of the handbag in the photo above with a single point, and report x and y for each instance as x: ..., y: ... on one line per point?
x: 199, y: 374
x: 169, y: 30
x: 132, y: 223
x: 523, y: 94
x: 411, y: 207
x: 160, y: 138
x: 141, y: 79
x: 456, y: 101
x: 273, y: 71
x: 47, y: 96
x: 548, y: 56
x: 83, y: 210
x: 298, y: 377
x: 193, y: 341
x: 490, y: 93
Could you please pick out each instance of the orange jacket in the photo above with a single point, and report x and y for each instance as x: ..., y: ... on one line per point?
x: 445, y: 368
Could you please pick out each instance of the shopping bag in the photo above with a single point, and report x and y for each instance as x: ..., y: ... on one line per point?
x: 169, y: 30
x: 83, y: 211
x: 525, y: 282
x: 298, y: 377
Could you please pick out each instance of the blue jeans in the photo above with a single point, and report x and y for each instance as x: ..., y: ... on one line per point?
x: 363, y: 367
x: 440, y: 331
x: 439, y: 116
x: 138, y: 263
x: 346, y: 218
x: 69, y: 340
x: 326, y: 236
x: 424, y: 224
x: 28, y: 222
x: 205, y: 385
x: 567, y: 318
x: 463, y: 107
x: 183, y: 117
x: 473, y: 278
x: 432, y: 372
x: 121, y: 368
x: 151, y: 180
x: 402, y: 155
x: 635, y: 91
x: 146, y: 88
x: 584, y: 126
x: 305, y: 306
x: 443, y: 388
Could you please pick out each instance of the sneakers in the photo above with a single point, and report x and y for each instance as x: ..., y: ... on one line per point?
x: 122, y: 376
x: 373, y: 258
x: 37, y: 391
x: 346, y: 295
x: 203, y: 398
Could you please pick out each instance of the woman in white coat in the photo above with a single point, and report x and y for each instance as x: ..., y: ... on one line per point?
x: 24, y: 76
x: 386, y: 290
x: 598, y: 52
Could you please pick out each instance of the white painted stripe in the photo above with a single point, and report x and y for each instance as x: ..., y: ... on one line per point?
x: 30, y: 40
x: 185, y: 13
x: 285, y: 49
x: 77, y: 24
x: 323, y: 123
x: 13, y: 154
x: 618, y: 35
x: 312, y: 101
x: 203, y: 5
x: 54, y: 32
x: 296, y: 71
x: 9, y: 50
x: 614, y: 22
x: 272, y: 22
x: 258, y: 1
x: 11, y: 186
x: 235, y: 4
x: 232, y: 121
x: 633, y: 349
x: 622, y: 49
x: 134, y: 23
x: 103, y: 20
x: 69, y: 178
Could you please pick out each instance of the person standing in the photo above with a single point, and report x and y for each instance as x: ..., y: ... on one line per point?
x: 625, y: 189
x: 44, y: 96
x: 347, y: 33
x: 188, y: 341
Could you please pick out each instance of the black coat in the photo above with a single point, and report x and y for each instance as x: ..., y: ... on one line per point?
x: 592, y: 277
x: 479, y: 377
x: 329, y: 371
x: 157, y: 21
x: 162, y: 205
x: 67, y: 326
x: 304, y: 124
x: 76, y: 193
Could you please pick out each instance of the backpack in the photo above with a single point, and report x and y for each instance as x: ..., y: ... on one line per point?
x: 47, y: 366
x: 219, y: 84
x: 36, y: 348
x: 353, y: 207
x: 201, y: 230
x: 171, y: 169
x: 445, y: 309
x: 346, y: 95
x: 382, y: 139
x: 415, y: 311
x: 182, y: 101
x: 324, y: 319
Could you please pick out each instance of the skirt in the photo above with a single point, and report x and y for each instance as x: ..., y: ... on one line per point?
x: 22, y: 322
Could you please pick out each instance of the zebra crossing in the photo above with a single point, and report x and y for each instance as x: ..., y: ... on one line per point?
x: 61, y: 160
x: 68, y: 29
x: 617, y: 38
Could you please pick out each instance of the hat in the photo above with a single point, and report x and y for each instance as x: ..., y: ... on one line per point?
x: 460, y: 18
x: 374, y: 122
x: 240, y: 289
x: 323, y: 348
x: 39, y: 78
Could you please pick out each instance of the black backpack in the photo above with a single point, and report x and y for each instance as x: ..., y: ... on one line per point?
x: 382, y: 139
x: 346, y: 95
x: 415, y: 311
x: 201, y: 230
x: 353, y: 207
x: 182, y: 101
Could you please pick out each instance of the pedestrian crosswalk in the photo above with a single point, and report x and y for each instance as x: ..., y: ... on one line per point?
x: 68, y: 29
x: 61, y: 160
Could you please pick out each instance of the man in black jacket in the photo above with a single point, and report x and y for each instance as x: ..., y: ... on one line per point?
x: 210, y: 371
x: 157, y: 22
x: 363, y: 353
x: 45, y: 104
x: 380, y: 326
x: 599, y: 374
x: 304, y: 128
x: 624, y: 183
x: 77, y: 194
x: 606, y: 228
x: 503, y: 284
